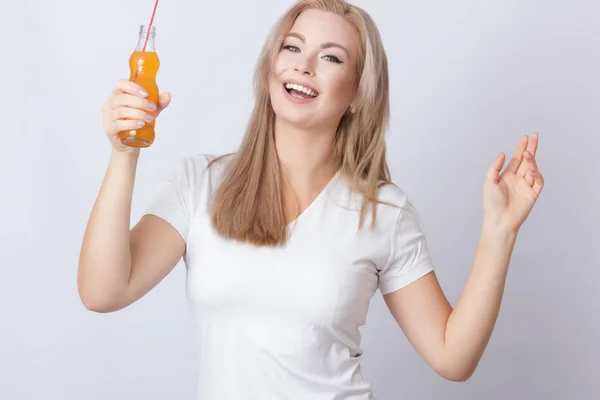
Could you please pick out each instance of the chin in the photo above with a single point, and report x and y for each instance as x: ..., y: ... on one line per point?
x: 299, y: 116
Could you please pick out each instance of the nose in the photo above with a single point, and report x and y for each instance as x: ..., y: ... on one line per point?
x: 303, y: 66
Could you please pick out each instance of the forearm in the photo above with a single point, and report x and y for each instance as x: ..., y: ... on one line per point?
x: 105, y: 260
x: 470, y: 324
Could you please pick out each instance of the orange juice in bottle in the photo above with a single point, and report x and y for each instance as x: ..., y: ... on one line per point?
x: 143, y: 66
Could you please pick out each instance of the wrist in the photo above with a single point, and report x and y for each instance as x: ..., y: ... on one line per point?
x: 493, y: 230
x: 131, y: 154
x: 124, y: 160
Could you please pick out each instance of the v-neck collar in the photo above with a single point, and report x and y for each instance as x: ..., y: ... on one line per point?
x: 316, y: 201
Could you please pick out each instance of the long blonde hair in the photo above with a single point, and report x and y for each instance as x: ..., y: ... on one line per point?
x: 249, y: 204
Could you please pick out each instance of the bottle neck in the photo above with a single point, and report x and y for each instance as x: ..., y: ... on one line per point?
x: 146, y: 38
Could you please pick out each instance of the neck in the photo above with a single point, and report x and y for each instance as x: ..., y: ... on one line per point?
x: 306, y: 157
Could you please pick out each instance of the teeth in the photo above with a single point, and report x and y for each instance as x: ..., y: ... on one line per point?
x: 301, y: 89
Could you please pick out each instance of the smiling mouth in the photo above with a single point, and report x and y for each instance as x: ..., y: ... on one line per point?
x: 300, y: 91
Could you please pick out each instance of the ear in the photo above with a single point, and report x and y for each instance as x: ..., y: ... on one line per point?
x: 354, y: 105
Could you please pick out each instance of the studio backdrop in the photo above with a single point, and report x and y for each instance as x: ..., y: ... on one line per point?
x: 468, y: 79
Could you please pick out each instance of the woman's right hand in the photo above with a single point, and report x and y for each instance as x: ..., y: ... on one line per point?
x: 128, y: 108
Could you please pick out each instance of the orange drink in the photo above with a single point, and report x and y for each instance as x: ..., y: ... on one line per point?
x: 143, y: 65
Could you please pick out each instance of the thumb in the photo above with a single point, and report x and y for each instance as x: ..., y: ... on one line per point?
x: 493, y: 174
x: 163, y: 101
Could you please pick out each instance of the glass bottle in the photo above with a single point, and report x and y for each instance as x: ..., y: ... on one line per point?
x: 143, y: 65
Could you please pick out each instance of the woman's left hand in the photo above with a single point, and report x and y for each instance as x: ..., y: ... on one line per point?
x: 509, y: 195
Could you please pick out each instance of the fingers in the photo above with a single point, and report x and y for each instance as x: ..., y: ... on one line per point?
x: 522, y: 164
x: 532, y: 174
x: 532, y: 145
x: 527, y: 164
x: 127, y: 124
x: 517, y: 157
x: 128, y: 100
x: 127, y: 86
x: 130, y: 107
x: 538, y: 183
x: 129, y: 94
x: 164, y: 100
x: 530, y: 177
x: 127, y: 112
x: 518, y: 164
x: 131, y: 113
x: 493, y: 174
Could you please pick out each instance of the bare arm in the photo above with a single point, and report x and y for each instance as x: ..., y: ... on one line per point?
x: 453, y: 341
x: 118, y: 266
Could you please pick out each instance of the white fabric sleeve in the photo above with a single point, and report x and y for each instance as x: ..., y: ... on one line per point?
x: 171, y: 202
x: 409, y: 257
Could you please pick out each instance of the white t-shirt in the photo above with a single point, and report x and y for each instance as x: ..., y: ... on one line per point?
x: 283, y: 323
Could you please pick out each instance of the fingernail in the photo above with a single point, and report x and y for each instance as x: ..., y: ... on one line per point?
x: 143, y: 92
x: 141, y: 123
x: 149, y: 118
x: 152, y: 106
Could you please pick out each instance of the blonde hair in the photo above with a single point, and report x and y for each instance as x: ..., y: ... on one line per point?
x: 249, y: 204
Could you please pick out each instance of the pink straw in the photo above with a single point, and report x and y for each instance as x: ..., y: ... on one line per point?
x: 150, y: 24
x: 149, y: 32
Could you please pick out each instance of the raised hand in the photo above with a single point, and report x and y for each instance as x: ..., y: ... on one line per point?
x: 509, y: 195
x: 127, y: 108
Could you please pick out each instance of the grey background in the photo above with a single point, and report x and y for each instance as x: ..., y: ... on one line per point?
x: 468, y: 78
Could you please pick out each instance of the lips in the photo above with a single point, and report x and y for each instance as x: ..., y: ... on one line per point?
x: 300, y: 90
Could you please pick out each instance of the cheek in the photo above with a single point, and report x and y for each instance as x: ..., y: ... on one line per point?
x: 279, y: 67
x: 274, y: 79
x: 283, y: 62
x: 342, y: 90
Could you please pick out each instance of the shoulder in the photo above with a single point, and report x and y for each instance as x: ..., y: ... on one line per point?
x: 391, y: 202
x: 192, y: 180
x: 391, y: 198
x: 396, y: 212
x: 201, y: 163
x: 392, y: 195
x: 200, y: 169
x: 406, y: 216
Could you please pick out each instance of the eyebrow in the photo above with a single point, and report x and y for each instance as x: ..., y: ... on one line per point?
x: 325, y: 45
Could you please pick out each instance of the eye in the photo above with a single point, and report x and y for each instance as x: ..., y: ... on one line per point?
x: 291, y: 48
x: 333, y: 59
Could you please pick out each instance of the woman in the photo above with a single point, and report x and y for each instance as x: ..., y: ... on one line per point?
x: 286, y: 240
